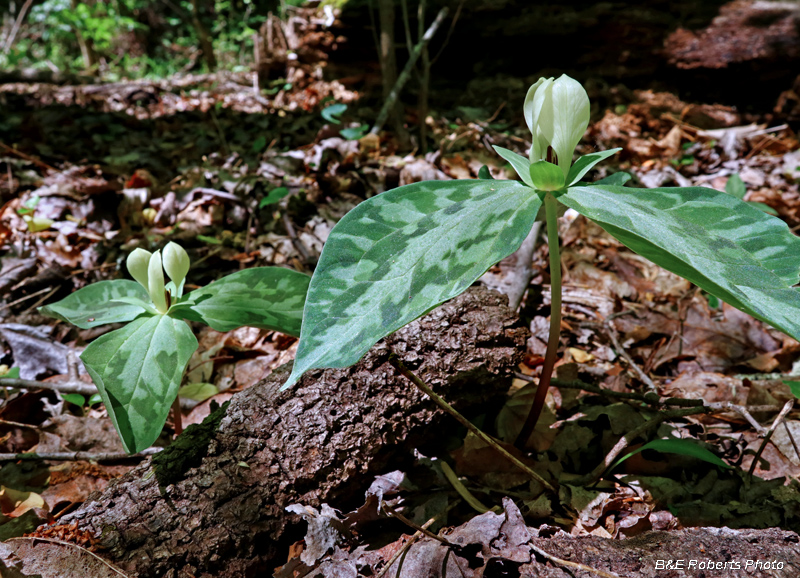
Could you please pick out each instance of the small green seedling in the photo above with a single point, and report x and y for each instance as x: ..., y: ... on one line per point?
x: 736, y: 187
x: 138, y: 368
x: 399, y: 254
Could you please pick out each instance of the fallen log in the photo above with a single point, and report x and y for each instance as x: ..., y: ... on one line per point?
x: 213, y: 503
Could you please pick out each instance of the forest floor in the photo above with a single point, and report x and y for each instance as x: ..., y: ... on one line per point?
x: 244, y: 179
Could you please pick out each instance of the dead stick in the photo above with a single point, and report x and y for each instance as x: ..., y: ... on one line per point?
x: 77, y: 456
x: 406, y: 73
x: 400, y: 366
x: 778, y: 419
x: 523, y: 269
x: 59, y: 386
x: 628, y: 438
x: 576, y: 565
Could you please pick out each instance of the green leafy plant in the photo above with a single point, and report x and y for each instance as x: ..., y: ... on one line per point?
x: 138, y: 368
x: 399, y: 254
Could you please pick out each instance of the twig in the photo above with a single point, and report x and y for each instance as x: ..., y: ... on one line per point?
x: 523, y: 270
x: 67, y: 386
x: 296, y: 241
x: 388, y: 105
x: 576, y: 565
x: 778, y: 419
x: 77, y: 456
x: 392, y: 512
x: 614, y: 336
x: 34, y: 539
x: 417, y: 535
x: 654, y: 400
x: 628, y: 438
x: 12, y: 36
x: 400, y: 366
x: 37, y: 162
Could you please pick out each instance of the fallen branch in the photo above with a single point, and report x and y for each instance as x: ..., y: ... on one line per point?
x: 212, y: 504
x: 77, y: 456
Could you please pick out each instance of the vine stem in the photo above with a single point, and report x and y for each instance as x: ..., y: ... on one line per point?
x: 400, y: 367
x: 551, y: 213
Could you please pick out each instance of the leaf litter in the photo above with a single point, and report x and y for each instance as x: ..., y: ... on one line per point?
x: 133, y: 190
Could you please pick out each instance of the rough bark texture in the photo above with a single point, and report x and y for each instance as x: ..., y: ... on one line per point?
x: 213, y: 503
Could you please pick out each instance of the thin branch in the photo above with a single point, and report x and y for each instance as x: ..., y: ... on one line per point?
x: 392, y: 512
x: 655, y: 400
x: 614, y: 336
x: 628, y: 438
x: 576, y: 565
x: 778, y: 419
x: 400, y: 366
x: 388, y: 105
x: 12, y: 36
x: 77, y: 456
x: 67, y: 386
x: 523, y: 269
x: 417, y: 535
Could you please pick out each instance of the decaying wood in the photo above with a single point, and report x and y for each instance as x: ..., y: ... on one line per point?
x: 213, y: 503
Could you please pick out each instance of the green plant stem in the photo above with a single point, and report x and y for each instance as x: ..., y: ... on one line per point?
x: 551, y: 213
x: 400, y: 367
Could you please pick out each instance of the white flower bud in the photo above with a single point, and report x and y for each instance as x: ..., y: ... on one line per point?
x: 137, y: 264
x: 176, y: 263
x: 557, y: 113
x: 156, y: 283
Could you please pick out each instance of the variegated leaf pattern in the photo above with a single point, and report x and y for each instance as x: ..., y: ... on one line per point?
x: 734, y: 251
x: 93, y: 305
x: 263, y: 297
x: 400, y: 254
x: 137, y: 370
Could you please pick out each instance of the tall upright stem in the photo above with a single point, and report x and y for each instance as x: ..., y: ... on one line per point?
x: 551, y: 213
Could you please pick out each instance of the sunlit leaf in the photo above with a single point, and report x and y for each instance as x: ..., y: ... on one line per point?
x: 521, y: 165
x: 400, y: 254
x: 678, y: 446
x: 586, y: 163
x: 264, y: 297
x: 99, y: 304
x: 137, y: 371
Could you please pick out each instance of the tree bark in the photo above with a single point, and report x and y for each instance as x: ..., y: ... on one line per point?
x: 213, y: 504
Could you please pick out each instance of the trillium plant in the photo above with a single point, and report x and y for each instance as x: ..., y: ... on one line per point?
x: 403, y: 252
x: 138, y: 368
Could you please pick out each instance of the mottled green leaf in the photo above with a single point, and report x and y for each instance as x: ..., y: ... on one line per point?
x: 264, y: 297
x: 682, y: 447
x: 728, y: 248
x: 93, y: 305
x: 402, y: 253
x: 520, y: 164
x: 584, y: 164
x: 137, y: 371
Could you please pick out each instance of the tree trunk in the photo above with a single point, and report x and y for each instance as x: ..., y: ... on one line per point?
x: 388, y: 56
x: 213, y: 503
x: 203, y: 36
